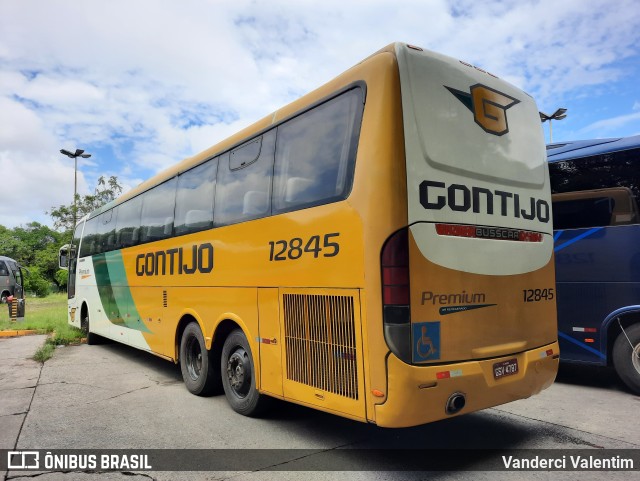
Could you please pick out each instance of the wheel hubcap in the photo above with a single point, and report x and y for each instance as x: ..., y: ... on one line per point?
x: 239, y: 372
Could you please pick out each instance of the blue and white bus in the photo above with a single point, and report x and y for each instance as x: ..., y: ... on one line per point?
x: 596, y: 192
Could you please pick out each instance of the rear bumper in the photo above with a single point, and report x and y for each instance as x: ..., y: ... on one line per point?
x: 416, y: 396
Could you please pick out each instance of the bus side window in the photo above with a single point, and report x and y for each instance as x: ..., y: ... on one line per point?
x: 243, y: 188
x: 582, y: 213
x: 158, y: 204
x: 315, y: 154
x: 594, y: 208
x: 106, y: 232
x: 194, y: 198
x: 87, y: 247
x: 128, y: 223
x: 3, y: 269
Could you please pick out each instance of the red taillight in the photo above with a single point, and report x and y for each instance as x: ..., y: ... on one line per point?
x: 396, y: 312
x: 395, y: 269
x: 395, y: 295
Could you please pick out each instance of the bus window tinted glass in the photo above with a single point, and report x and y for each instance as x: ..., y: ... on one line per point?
x: 315, y: 153
x: 106, y: 234
x: 244, y: 193
x: 245, y: 155
x: 615, y: 169
x: 128, y: 223
x: 194, y: 198
x: 158, y: 205
x: 89, y: 245
x: 583, y: 213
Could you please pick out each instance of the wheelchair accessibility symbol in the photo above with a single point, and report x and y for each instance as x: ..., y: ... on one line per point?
x: 426, y: 341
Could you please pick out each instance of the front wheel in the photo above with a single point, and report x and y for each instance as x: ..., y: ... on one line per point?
x: 626, y: 357
x: 238, y: 376
x: 92, y: 338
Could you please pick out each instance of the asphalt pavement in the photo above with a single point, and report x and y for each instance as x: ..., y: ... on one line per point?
x: 111, y: 396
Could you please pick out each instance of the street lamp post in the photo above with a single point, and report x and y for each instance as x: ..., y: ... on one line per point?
x: 557, y: 115
x: 74, y: 156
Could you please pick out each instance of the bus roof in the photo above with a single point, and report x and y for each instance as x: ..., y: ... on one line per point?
x: 585, y: 148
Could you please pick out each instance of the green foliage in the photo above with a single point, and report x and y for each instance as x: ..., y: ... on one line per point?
x: 33, y: 244
x: 44, y: 353
x: 61, y: 278
x: 63, y: 215
x: 36, y: 283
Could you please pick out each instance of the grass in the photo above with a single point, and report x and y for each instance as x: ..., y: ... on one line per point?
x: 47, y: 315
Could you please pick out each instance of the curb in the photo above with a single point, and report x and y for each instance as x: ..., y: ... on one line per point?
x: 22, y: 332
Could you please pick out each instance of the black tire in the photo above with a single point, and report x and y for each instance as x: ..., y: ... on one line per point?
x: 626, y: 358
x: 3, y: 297
x: 198, y: 371
x: 92, y: 339
x: 238, y: 376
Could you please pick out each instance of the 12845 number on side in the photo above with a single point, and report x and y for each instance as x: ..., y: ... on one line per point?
x: 282, y: 250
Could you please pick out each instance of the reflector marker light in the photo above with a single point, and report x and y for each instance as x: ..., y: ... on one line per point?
x: 265, y: 340
x: 589, y: 340
x: 449, y: 374
x: 547, y: 353
x: 585, y: 329
x: 483, y: 232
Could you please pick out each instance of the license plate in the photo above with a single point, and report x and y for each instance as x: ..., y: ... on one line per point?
x: 505, y: 368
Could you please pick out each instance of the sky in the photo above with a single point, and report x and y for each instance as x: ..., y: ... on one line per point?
x: 142, y: 84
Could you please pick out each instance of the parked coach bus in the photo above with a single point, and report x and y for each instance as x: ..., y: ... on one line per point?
x: 596, y: 186
x: 380, y: 249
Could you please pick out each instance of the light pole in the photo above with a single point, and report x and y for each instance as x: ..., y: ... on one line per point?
x: 74, y: 156
x: 557, y: 115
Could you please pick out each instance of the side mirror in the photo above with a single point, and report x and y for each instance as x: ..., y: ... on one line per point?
x: 63, y: 257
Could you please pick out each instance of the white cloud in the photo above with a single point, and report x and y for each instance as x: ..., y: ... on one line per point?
x: 153, y: 81
x: 610, y: 126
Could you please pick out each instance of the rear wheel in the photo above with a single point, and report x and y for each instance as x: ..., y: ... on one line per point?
x: 626, y: 357
x: 198, y: 371
x: 238, y: 376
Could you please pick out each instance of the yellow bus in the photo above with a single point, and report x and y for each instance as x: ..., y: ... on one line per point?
x: 380, y: 249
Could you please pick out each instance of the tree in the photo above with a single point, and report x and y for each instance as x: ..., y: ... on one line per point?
x: 36, y: 283
x: 34, y: 246
x: 106, y: 191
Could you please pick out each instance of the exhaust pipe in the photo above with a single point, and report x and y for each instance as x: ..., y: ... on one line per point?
x: 455, y: 403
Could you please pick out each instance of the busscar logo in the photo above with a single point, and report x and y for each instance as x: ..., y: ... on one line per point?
x: 488, y: 105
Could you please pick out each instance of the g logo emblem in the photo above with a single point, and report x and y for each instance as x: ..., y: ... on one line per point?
x: 489, y: 107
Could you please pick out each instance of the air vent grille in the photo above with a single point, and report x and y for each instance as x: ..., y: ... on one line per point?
x: 321, y: 342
